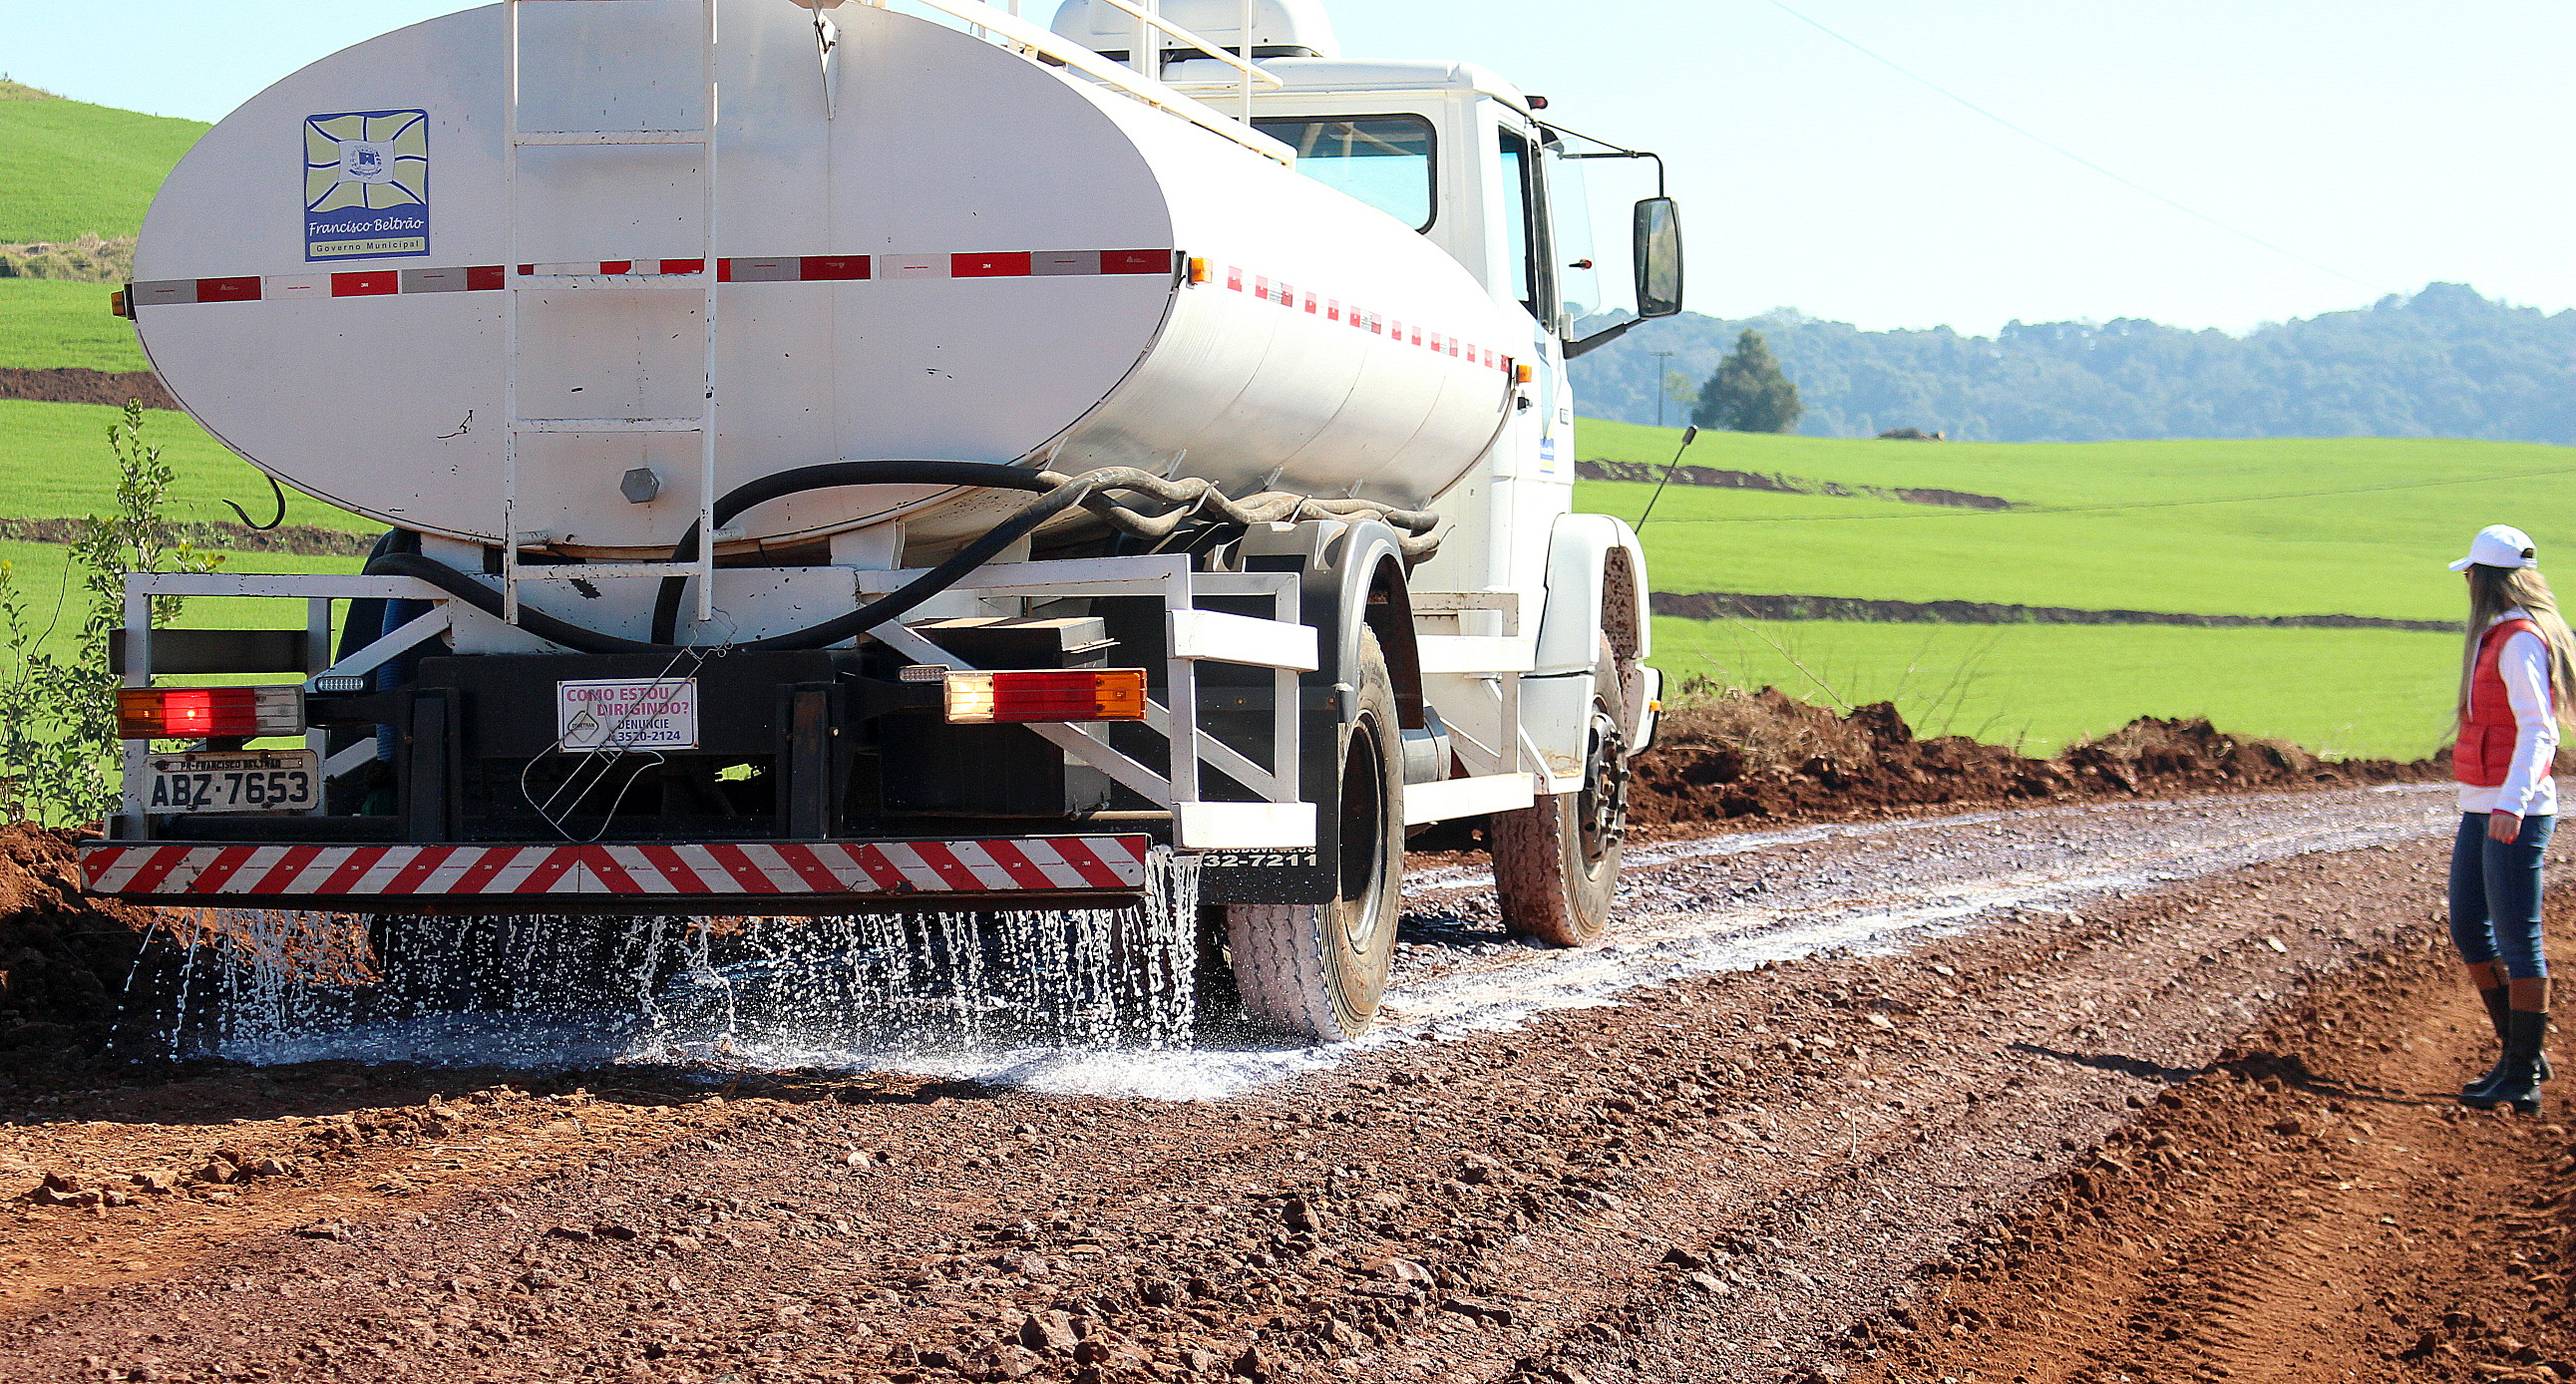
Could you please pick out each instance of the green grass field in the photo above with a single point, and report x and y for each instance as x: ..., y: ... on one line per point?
x: 57, y: 464
x: 2294, y: 526
x: 2370, y: 693
x: 68, y: 168
x: 55, y: 604
x: 45, y: 323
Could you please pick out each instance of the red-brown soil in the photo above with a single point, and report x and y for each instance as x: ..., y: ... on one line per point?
x: 223, y: 535
x: 1766, y: 757
x: 1812, y: 1170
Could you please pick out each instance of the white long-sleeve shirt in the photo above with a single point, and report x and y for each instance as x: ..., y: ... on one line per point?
x: 2527, y: 791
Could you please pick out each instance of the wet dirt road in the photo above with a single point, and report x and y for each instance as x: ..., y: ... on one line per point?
x: 1837, y: 1101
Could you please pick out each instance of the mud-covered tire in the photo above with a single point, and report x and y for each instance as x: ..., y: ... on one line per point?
x: 1318, y: 971
x: 1556, y: 862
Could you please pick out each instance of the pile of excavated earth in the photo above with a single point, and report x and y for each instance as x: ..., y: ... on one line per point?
x: 2112, y: 1079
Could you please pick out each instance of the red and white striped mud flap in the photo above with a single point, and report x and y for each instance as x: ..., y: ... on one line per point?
x: 934, y: 874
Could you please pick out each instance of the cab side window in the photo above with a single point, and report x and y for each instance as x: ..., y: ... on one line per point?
x: 1383, y: 160
x: 1524, y: 201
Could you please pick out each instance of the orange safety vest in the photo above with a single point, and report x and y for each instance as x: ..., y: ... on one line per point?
x: 2484, y: 752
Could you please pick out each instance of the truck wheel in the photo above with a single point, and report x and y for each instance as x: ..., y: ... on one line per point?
x: 1317, y: 971
x: 1556, y: 862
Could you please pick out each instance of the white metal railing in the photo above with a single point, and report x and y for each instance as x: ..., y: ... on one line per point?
x: 1148, y: 88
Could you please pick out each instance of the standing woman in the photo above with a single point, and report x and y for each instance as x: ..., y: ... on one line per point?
x: 2516, y: 680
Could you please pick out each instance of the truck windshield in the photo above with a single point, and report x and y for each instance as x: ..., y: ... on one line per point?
x: 1383, y: 160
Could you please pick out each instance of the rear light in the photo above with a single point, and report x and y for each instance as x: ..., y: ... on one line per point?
x: 175, y: 713
x: 1047, y: 694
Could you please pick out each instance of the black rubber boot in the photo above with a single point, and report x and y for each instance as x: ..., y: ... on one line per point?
x: 2519, y: 1087
x: 2497, y: 1008
x: 2494, y: 999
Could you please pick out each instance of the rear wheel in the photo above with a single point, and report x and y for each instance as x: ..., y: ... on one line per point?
x: 1556, y: 862
x: 1317, y: 971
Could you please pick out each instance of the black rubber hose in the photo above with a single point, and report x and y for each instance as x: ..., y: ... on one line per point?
x: 857, y: 622
x: 985, y: 474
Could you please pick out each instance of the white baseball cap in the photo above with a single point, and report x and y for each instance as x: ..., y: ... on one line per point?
x: 2499, y: 545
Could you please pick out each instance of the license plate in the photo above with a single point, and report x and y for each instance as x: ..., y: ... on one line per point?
x: 234, y: 781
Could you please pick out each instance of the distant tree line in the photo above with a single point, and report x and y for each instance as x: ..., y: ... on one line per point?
x: 2444, y: 362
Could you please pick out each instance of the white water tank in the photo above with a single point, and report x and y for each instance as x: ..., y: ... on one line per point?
x: 1280, y: 28
x: 966, y: 255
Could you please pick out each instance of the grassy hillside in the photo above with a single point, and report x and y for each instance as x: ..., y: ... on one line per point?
x: 2372, y: 693
x: 55, y: 463
x: 2292, y: 526
x: 49, y: 322
x: 68, y: 167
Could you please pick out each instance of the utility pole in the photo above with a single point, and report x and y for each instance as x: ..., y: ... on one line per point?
x: 1663, y: 373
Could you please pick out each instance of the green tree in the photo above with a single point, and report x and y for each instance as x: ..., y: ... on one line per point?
x: 1748, y: 393
x: 58, y: 742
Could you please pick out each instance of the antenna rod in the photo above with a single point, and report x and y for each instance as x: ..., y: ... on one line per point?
x: 1689, y: 436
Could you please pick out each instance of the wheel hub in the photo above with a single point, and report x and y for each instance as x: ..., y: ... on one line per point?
x: 1602, y: 809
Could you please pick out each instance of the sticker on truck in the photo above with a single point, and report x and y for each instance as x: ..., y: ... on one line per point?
x: 366, y: 184
x: 627, y: 714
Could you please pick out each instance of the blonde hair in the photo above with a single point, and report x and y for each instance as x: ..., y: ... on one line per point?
x: 2495, y: 590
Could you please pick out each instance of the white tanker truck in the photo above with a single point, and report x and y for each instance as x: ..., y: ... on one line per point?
x: 837, y: 459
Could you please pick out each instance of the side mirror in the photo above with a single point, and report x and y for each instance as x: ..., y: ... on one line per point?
x: 1659, y: 257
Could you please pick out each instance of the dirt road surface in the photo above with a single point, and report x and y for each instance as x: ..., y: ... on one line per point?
x: 2143, y: 1091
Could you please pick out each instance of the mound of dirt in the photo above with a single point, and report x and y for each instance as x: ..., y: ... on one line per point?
x: 1768, y: 756
x: 66, y: 960
x: 71, y: 384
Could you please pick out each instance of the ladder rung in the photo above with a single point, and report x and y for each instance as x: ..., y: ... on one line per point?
x: 609, y: 425
x: 526, y: 137
x: 585, y: 570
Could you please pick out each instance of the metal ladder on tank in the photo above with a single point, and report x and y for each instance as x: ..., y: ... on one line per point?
x: 515, y: 283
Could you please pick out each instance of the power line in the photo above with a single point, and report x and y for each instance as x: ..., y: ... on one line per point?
x: 1948, y: 512
x: 2060, y: 149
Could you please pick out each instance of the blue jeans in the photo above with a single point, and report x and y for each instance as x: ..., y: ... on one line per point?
x: 2495, y: 895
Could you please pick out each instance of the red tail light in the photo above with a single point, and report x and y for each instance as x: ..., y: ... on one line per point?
x: 181, y: 713
x: 1046, y: 694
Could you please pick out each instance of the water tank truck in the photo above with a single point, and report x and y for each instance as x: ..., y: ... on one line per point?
x: 835, y: 459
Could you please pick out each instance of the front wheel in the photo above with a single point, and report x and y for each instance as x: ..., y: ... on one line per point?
x: 1318, y: 971
x: 1556, y: 862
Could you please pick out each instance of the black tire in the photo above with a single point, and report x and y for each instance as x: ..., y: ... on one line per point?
x: 1556, y: 862
x: 1318, y: 971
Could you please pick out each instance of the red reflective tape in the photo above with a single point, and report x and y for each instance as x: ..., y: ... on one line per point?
x: 617, y: 266
x: 493, y: 861
x: 695, y: 266
x: 1086, y: 862
x: 880, y: 870
x: 241, y: 290
x: 1310, y: 300
x: 482, y: 276
x: 366, y: 283
x: 998, y: 266
x: 841, y: 267
x: 951, y: 871
x: 351, y: 870
x: 612, y: 876
x: 281, y: 877
x: 739, y: 865
x: 675, y: 870
x: 724, y: 271
x: 219, y: 872
x: 557, y: 864
x: 97, y: 861
x: 1015, y: 862
x: 527, y: 269
x: 1136, y: 261
x: 1332, y: 309
x: 809, y: 868
x: 166, y: 859
x: 1234, y: 278
x: 424, y: 863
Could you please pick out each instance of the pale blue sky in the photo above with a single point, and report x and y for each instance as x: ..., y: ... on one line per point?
x: 2392, y: 142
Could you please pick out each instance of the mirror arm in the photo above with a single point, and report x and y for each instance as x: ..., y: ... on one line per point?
x: 1601, y: 338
